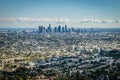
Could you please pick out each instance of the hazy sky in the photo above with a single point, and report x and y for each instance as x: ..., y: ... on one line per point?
x: 74, y: 13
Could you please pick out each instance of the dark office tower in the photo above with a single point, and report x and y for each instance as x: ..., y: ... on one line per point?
x: 49, y: 29
x: 55, y: 29
x: 59, y: 28
x: 40, y: 29
x: 65, y: 28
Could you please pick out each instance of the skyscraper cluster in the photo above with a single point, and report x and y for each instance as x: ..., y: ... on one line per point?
x: 61, y: 29
x: 49, y: 29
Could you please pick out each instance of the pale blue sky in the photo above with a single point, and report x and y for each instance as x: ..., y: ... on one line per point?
x: 74, y: 13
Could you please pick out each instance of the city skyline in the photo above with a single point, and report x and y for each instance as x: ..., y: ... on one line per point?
x: 74, y: 13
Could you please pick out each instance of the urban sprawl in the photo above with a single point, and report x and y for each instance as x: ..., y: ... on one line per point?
x: 59, y: 53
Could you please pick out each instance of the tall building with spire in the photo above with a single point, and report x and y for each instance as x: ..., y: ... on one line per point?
x: 49, y: 29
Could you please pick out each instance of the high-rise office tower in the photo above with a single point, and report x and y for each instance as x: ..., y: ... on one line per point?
x: 40, y: 29
x: 59, y: 28
x: 49, y: 29
x: 55, y: 29
x: 65, y: 28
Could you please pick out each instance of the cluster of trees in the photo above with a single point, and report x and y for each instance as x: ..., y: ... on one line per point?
x: 18, y: 74
x: 112, y: 53
x: 106, y: 73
